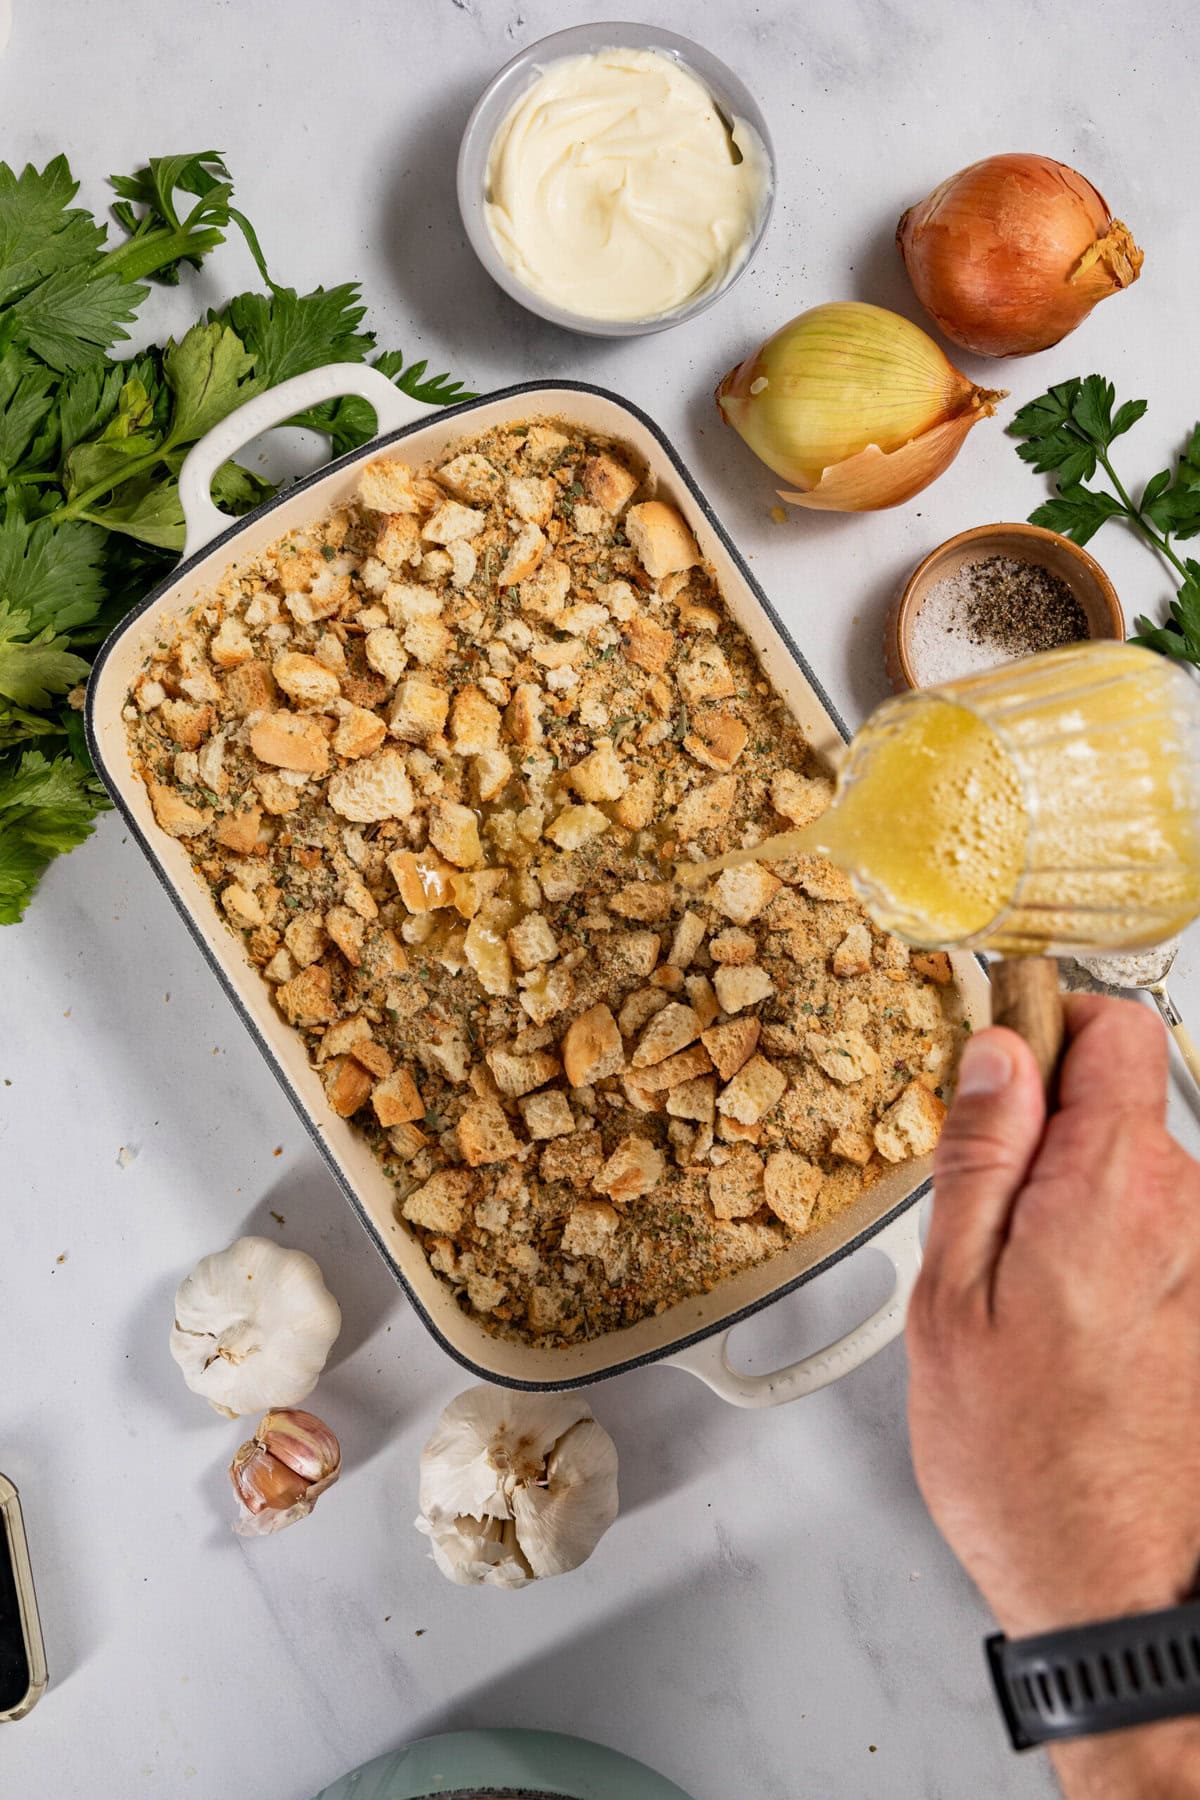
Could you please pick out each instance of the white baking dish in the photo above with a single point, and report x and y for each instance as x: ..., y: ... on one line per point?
x: 693, y: 1333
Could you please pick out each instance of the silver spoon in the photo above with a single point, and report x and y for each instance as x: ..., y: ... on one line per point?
x: 1148, y: 969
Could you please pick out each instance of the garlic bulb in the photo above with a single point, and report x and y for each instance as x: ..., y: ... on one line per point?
x: 516, y: 1487
x: 253, y: 1327
x: 280, y: 1474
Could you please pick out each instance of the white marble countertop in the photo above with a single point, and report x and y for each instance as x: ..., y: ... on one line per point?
x: 773, y: 1615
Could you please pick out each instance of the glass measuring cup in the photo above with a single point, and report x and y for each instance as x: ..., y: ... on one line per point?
x: 1086, y: 821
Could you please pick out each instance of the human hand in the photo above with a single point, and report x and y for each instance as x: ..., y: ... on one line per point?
x: 1054, y: 1334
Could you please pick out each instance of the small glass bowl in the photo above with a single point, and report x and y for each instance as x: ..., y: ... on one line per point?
x: 498, y: 99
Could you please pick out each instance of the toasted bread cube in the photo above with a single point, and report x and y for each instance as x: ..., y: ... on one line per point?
x: 305, y: 938
x: 173, y: 813
x: 742, y: 892
x: 601, y: 775
x: 705, y: 676
x: 424, y: 879
x: 249, y: 688
x: 705, y: 808
x: 635, y: 1167
x: 576, y: 825
x: 668, y: 977
x: 454, y: 831
x: 800, y: 798
x: 638, y: 1008
x: 440, y: 1205
x: 347, y: 1086
x: 734, y: 947
x: 471, y: 477
x: 592, y: 1047
x: 243, y: 908
x: 374, y: 788
x: 757, y: 1087
x: 648, y: 645
x: 278, y: 795
x: 532, y: 941
x: 911, y: 1126
x: 308, y: 998
x: 419, y: 708
x: 636, y: 807
x: 428, y: 642
x: 453, y: 520
x: 731, y: 1045
x: 606, y: 482
x: 716, y: 739
x: 547, y: 1115
x: 374, y: 1058
x: 398, y: 541
x: 646, y: 901
x: 696, y: 617
x: 792, y: 1186
x: 487, y: 954
x: 473, y: 887
x: 491, y: 772
x: 693, y: 1099
x: 736, y: 1189
x: 531, y: 497
x: 635, y: 952
x: 660, y: 538
x: 524, y: 554
x: 305, y: 680
x: 385, y: 654
x: 517, y: 1075
x: 238, y: 831
x: 524, y: 716
x: 546, y: 992
x: 474, y: 723
x: 229, y: 646
x: 844, y: 1056
x: 484, y: 1134
x: 852, y: 1146
x: 590, y: 1227
x: 386, y: 485
x: 407, y: 601
x: 359, y: 733
x: 347, y: 931
x: 742, y: 986
x: 344, y: 1037
x: 687, y: 939
x: 544, y: 590
x: 685, y: 1065
x: 673, y: 1029
x: 189, y: 725
x: 702, y: 997
x: 853, y: 954
x: 289, y: 740
x: 934, y: 965
x: 398, y: 1099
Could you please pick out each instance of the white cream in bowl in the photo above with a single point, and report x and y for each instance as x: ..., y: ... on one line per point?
x: 616, y: 189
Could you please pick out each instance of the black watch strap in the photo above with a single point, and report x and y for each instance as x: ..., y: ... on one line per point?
x: 1101, y: 1677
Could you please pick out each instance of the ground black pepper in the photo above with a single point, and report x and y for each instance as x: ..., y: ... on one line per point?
x: 989, y: 612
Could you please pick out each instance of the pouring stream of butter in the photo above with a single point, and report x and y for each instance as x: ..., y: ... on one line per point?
x: 1050, y: 804
x: 616, y: 189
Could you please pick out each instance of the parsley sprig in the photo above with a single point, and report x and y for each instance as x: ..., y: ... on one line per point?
x: 1068, y: 433
x: 91, y: 446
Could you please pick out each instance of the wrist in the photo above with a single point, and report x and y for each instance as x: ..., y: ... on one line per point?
x: 1150, y: 1762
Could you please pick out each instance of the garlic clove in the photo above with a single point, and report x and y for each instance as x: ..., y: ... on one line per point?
x: 474, y: 1554
x: 559, y: 1525
x: 254, y: 1325
x: 486, y: 1441
x: 874, y: 480
x: 281, y: 1472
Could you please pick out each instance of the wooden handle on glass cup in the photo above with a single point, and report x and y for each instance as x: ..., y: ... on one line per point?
x: 1026, y: 997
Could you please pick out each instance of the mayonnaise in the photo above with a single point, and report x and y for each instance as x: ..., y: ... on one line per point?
x: 613, y: 189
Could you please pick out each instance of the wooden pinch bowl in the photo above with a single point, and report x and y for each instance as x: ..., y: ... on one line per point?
x: 1025, y: 543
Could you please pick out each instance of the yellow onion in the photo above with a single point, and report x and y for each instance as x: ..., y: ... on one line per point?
x: 855, y: 406
x: 280, y: 1473
x: 1012, y: 253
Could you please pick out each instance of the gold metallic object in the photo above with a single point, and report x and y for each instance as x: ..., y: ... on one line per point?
x: 23, y: 1673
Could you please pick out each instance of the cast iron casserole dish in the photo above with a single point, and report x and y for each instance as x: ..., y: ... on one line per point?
x: 692, y: 1333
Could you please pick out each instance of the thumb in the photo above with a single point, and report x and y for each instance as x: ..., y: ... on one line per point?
x: 990, y: 1137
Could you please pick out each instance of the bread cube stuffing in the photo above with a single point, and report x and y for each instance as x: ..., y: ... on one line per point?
x: 531, y: 942
x: 454, y: 832
x: 735, y: 1189
x: 590, y: 1227
x: 911, y: 1126
x: 636, y: 1167
x: 844, y: 1056
x: 592, y: 1047
x: 661, y: 539
x: 374, y: 788
x: 742, y: 892
x: 757, y: 1087
x: 742, y: 986
x: 546, y: 1115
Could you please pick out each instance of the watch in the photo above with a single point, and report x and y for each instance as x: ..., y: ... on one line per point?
x: 1100, y: 1677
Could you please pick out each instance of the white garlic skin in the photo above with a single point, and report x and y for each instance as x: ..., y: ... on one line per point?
x: 254, y: 1325
x: 516, y: 1487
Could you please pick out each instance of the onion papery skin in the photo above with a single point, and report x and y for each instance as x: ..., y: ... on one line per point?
x: 1012, y: 253
x: 855, y: 406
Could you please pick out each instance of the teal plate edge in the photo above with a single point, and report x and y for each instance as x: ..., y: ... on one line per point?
x: 532, y: 1762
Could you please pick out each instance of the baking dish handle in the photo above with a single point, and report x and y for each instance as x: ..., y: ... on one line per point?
x: 203, y: 520
x: 900, y: 1242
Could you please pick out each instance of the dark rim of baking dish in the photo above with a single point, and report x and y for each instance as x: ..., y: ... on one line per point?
x: 236, y: 526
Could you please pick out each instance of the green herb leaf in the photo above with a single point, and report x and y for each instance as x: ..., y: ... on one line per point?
x: 46, y: 809
x: 40, y: 232
x: 34, y: 667
x: 51, y: 574
x: 436, y: 390
x: 286, y: 333
x: 1077, y: 513
x: 24, y: 402
x: 146, y: 508
x: 206, y: 371
x: 71, y: 318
